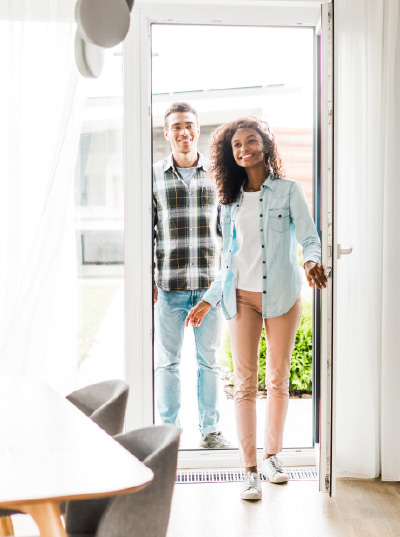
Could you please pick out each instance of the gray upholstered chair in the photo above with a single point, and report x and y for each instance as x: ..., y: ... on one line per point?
x: 139, y: 514
x: 105, y: 404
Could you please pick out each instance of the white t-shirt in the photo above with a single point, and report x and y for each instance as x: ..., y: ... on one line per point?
x: 247, y: 262
x: 187, y: 174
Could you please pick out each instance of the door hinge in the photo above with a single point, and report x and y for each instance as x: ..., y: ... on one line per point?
x: 327, y: 483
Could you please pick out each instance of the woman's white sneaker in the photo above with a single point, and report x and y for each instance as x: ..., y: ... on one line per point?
x: 251, y: 487
x: 272, y: 468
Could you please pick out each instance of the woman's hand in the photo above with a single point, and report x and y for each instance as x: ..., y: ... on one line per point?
x: 155, y: 294
x: 197, y: 314
x: 315, y: 274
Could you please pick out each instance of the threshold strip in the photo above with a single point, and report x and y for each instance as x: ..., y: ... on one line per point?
x: 228, y: 476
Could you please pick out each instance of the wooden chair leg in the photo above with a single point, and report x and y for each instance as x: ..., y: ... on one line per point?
x: 47, y: 516
x: 6, y: 527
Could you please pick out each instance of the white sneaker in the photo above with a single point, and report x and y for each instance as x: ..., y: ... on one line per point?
x: 214, y: 441
x: 272, y: 468
x: 251, y: 487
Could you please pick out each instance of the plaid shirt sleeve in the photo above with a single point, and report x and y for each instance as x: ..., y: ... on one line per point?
x: 185, y: 220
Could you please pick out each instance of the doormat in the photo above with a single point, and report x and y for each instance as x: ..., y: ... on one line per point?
x: 228, y: 476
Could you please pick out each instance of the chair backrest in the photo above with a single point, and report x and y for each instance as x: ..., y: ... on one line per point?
x: 140, y: 514
x: 104, y: 403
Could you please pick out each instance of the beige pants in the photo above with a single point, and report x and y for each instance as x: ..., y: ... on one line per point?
x: 245, y: 333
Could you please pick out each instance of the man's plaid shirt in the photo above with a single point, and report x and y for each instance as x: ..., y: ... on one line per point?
x: 185, y: 222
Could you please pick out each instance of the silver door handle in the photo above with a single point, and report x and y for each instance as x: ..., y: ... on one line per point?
x: 343, y: 251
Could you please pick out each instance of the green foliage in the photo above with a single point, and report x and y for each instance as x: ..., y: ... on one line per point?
x: 301, y: 364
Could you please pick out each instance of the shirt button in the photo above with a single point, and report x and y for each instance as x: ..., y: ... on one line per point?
x: 261, y: 230
x: 264, y: 277
x: 227, y: 266
x: 260, y: 199
x: 261, y: 215
x: 264, y: 261
x: 237, y: 205
x: 263, y: 246
x: 264, y: 292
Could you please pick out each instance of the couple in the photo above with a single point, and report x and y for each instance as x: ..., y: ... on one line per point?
x: 262, y: 217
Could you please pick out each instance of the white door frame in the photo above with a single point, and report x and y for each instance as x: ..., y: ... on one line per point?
x: 138, y: 201
x: 325, y: 458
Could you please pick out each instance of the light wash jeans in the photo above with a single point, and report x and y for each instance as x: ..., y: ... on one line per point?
x: 170, y: 314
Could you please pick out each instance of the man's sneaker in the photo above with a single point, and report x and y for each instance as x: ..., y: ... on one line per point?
x: 251, y: 487
x: 214, y: 441
x: 272, y: 468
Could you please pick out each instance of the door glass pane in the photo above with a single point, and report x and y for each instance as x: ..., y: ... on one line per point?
x: 99, y: 202
x: 270, y: 78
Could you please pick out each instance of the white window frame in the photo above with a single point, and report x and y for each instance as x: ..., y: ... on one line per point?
x: 138, y: 201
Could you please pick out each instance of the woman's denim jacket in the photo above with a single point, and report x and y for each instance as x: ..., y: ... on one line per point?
x: 284, y: 220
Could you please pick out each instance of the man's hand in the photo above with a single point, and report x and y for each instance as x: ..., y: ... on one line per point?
x: 315, y: 274
x: 155, y: 293
x: 197, y: 314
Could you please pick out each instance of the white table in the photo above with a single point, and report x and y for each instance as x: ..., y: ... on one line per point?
x: 51, y: 452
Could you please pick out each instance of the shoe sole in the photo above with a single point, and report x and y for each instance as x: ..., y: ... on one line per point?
x: 214, y: 447
x: 278, y: 480
x: 251, y: 495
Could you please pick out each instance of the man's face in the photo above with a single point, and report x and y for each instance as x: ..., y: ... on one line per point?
x: 183, y: 132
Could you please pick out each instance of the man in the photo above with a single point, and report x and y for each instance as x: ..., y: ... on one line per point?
x: 186, y: 258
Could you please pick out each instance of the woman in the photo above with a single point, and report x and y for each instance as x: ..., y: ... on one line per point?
x: 263, y: 216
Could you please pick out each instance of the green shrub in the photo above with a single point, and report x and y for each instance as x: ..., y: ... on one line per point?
x: 301, y: 364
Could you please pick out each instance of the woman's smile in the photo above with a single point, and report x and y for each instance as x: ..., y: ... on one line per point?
x: 246, y: 157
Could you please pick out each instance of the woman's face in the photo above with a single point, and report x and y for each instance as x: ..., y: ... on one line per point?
x: 248, y: 148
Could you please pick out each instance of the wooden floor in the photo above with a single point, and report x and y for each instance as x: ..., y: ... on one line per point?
x: 361, y: 508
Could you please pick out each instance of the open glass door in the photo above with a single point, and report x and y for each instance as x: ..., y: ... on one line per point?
x: 139, y: 126
x: 327, y: 298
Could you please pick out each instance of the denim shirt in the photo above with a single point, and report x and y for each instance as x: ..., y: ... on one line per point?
x: 284, y: 220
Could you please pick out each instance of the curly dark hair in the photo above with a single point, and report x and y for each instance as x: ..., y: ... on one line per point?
x: 230, y: 177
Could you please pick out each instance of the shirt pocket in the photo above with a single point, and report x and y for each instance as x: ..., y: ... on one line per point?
x: 279, y: 220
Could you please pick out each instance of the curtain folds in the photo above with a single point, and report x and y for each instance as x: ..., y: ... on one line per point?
x: 41, y: 103
x: 368, y: 216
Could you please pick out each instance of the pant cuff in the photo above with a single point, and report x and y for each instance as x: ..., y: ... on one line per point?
x: 212, y: 429
x: 271, y: 451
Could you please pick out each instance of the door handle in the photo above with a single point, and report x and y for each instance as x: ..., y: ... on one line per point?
x: 343, y: 251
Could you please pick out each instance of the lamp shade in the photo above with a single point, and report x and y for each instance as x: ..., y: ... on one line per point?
x: 89, y: 58
x: 104, y: 23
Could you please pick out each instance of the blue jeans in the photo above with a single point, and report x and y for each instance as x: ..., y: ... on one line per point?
x: 170, y: 313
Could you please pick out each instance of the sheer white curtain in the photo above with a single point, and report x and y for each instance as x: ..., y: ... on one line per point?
x: 368, y: 197
x: 40, y: 112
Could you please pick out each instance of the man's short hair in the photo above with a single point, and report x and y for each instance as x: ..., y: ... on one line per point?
x: 179, y: 107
